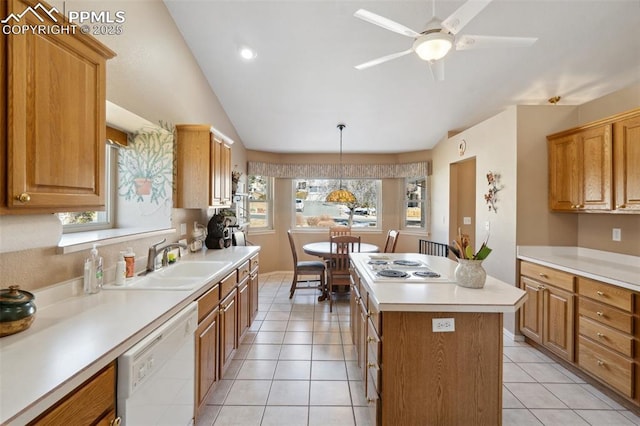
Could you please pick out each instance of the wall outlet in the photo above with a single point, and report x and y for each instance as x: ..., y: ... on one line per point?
x: 466, y: 220
x: 487, y: 226
x: 443, y: 325
x: 183, y: 229
x: 616, y: 235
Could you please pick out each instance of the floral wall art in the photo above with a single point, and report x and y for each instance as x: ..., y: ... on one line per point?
x: 145, y: 179
x: 491, y: 197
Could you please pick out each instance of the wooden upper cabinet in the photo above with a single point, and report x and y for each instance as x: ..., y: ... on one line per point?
x: 203, y: 168
x: 626, y: 153
x: 55, y: 115
x: 593, y: 167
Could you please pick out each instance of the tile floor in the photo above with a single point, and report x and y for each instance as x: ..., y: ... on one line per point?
x: 296, y: 366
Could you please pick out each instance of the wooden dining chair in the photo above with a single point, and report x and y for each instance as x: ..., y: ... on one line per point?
x: 306, y: 267
x: 337, y: 230
x: 433, y: 248
x: 392, y: 240
x: 338, y: 265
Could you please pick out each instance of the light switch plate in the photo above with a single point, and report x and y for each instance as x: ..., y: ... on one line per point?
x: 616, y: 234
x: 183, y: 229
x: 466, y: 220
x: 443, y: 325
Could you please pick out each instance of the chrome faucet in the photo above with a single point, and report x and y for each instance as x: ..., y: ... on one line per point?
x: 153, y: 253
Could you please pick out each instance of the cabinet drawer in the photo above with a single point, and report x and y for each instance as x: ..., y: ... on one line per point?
x: 374, y: 405
x: 607, y: 336
x: 244, y: 271
x: 548, y: 275
x: 605, y: 314
x: 374, y: 375
x: 374, y: 345
x: 611, y: 295
x: 208, y: 301
x: 614, y: 369
x: 228, y: 284
x: 254, y: 263
x: 375, y: 317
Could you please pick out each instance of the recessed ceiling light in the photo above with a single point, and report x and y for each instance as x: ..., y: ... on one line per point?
x: 247, y: 53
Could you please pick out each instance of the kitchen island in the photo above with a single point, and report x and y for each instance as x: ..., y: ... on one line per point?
x: 429, y: 350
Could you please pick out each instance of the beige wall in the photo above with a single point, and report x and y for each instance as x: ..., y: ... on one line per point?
x: 156, y: 77
x: 276, y: 255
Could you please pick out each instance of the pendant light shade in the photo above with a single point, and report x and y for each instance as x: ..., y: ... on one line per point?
x: 341, y: 195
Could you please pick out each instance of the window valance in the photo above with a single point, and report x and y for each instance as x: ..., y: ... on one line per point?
x: 333, y: 171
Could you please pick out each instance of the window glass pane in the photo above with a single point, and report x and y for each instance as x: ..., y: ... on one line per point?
x: 415, y: 202
x: 260, y: 202
x: 312, y: 211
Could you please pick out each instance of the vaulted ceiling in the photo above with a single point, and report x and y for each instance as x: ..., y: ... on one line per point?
x: 302, y: 83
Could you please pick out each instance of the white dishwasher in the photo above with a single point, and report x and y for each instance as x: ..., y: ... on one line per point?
x: 156, y: 377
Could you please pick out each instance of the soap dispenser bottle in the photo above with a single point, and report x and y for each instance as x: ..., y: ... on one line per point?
x: 93, y: 272
x: 121, y: 269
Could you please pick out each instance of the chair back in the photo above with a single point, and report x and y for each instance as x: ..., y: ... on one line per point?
x: 341, y: 246
x: 433, y: 248
x: 335, y: 231
x: 392, y: 240
x: 292, y: 244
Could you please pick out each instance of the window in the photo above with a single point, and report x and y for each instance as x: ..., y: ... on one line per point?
x: 260, y: 202
x: 311, y: 210
x: 415, y: 207
x: 94, y: 220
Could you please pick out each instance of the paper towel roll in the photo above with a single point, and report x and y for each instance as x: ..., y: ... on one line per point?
x: 21, y: 232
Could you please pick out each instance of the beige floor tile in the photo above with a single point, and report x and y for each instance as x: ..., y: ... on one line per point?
x: 220, y: 392
x: 293, y: 370
x: 631, y: 416
x: 363, y: 416
x: 274, y: 325
x: 239, y: 415
x: 269, y: 337
x: 298, y: 338
x: 300, y: 325
x: 232, y: 370
x: 301, y: 316
x: 263, y: 352
x: 327, y: 353
x: 576, y: 397
x: 331, y: 416
x: 519, y: 417
x: 559, y: 417
x: 544, y: 372
x: 328, y: 370
x: 207, y: 415
x: 295, y: 352
x: 255, y: 325
x: 569, y: 374
x: 241, y: 352
x: 610, y: 402
x: 282, y: 307
x: 534, y: 395
x: 326, y: 326
x: 277, y: 316
x: 285, y: 416
x: 248, y: 337
x: 248, y: 392
x: 323, y: 338
x: 605, y: 417
x: 330, y: 393
x: 350, y: 353
x: 511, y: 373
x: 358, y: 394
x: 289, y: 392
x: 257, y: 370
x: 524, y: 354
x: 508, y: 400
x: 353, y: 371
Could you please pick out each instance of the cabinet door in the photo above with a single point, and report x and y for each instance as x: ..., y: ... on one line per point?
x: 191, y: 186
x: 253, y: 296
x: 558, y: 332
x: 57, y: 114
x: 626, y: 160
x: 563, y: 174
x: 228, y: 335
x: 216, y: 173
x: 225, y: 174
x: 531, y: 312
x: 595, y: 168
x: 244, y: 316
x: 206, y: 356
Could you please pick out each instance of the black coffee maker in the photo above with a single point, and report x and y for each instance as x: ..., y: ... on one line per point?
x: 218, y: 232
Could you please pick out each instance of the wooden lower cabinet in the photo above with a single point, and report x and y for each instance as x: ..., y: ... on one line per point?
x: 244, y: 315
x: 207, y: 362
x: 93, y: 402
x: 228, y: 335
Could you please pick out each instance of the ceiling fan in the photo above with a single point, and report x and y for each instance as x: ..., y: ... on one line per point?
x: 439, y: 36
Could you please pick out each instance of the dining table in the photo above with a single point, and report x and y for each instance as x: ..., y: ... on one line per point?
x: 323, y: 249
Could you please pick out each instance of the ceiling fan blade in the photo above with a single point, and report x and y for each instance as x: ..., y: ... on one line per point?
x: 465, y: 13
x: 383, y: 59
x: 468, y: 42
x: 385, y: 23
x: 437, y: 69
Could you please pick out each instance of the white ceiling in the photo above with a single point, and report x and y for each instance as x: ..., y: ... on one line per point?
x: 303, y: 82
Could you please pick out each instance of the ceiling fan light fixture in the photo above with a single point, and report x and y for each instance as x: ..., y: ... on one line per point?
x: 433, y: 45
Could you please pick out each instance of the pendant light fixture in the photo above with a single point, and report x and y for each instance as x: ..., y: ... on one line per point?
x: 341, y: 195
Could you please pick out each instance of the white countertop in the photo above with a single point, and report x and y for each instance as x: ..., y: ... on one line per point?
x: 495, y: 296
x: 73, y: 338
x: 613, y: 268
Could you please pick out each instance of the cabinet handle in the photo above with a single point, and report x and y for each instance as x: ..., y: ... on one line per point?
x: 573, y: 206
x: 543, y: 275
x: 372, y: 365
x: 620, y: 206
x: 541, y: 287
x: 600, y: 335
x: 371, y: 339
x: 600, y: 363
x: 599, y: 293
x: 24, y: 197
x: 115, y: 422
x: 600, y: 314
x: 580, y: 206
x: 370, y: 400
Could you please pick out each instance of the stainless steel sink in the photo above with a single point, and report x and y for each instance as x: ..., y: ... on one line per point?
x: 187, y: 275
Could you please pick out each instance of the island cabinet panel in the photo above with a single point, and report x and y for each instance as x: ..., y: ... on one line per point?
x: 54, y: 115
x: 450, y: 378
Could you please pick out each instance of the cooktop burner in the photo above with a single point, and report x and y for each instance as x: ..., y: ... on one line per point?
x: 426, y: 274
x: 403, y: 262
x: 377, y: 262
x: 392, y: 273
